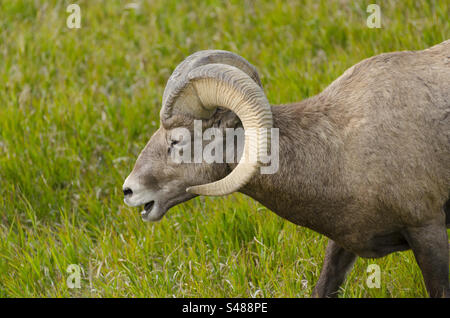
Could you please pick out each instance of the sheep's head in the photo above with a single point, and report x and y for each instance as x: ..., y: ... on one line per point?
x: 222, y: 90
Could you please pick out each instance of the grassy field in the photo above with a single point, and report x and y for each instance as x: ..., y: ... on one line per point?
x: 78, y: 105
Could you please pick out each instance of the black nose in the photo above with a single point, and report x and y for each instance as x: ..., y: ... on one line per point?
x: 127, y: 191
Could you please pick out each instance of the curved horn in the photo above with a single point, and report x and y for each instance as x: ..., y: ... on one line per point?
x: 178, y: 80
x: 208, y: 86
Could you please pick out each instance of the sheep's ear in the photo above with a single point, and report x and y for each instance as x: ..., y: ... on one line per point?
x: 224, y: 118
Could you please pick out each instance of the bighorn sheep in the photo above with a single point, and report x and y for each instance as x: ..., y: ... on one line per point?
x: 365, y: 163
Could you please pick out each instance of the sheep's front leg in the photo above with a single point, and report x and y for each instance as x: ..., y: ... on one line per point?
x: 430, y: 247
x: 336, y: 265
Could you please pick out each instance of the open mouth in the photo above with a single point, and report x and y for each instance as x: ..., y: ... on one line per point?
x: 147, y: 209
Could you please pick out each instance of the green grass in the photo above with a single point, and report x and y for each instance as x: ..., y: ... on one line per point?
x: 77, y: 106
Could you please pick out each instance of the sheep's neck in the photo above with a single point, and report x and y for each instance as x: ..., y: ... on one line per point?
x: 309, y: 183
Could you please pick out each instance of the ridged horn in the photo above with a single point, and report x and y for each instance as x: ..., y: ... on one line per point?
x: 208, y: 86
x: 178, y: 80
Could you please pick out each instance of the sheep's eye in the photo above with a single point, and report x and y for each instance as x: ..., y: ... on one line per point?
x: 172, y: 143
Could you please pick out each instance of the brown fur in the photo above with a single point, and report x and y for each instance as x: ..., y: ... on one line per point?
x: 370, y: 154
x: 366, y: 163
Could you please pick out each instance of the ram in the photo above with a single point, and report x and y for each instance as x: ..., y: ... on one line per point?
x: 366, y: 162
